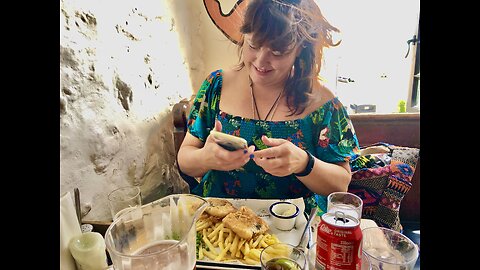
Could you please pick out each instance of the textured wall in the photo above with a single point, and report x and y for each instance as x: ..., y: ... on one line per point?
x: 123, y: 64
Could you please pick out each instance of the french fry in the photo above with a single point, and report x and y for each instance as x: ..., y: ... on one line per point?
x: 257, y: 241
x: 209, y: 245
x: 216, y: 230
x: 240, y: 245
x: 233, y: 247
x: 272, y: 239
x: 262, y: 243
x: 229, y: 238
x: 210, y: 255
x: 221, y: 246
x: 254, y: 254
x: 220, y: 237
x: 202, y: 225
x: 222, y: 253
x: 199, y: 223
x: 248, y: 260
x: 213, y: 239
x: 200, y: 253
x: 246, y: 249
x: 279, y: 251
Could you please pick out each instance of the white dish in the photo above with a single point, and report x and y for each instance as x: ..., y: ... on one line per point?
x: 261, y: 208
x: 284, y: 215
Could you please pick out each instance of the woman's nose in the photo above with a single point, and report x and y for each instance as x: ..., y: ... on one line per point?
x: 263, y: 55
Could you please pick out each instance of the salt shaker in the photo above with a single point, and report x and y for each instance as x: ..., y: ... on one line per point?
x: 88, y: 250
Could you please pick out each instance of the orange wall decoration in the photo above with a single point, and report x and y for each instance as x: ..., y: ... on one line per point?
x: 228, y: 23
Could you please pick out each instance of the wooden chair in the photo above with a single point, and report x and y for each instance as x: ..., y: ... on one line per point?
x: 180, y: 113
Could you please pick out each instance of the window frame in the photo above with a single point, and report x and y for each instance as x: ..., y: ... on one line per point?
x: 413, y: 101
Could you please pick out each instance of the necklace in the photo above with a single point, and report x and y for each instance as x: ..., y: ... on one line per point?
x: 255, y: 111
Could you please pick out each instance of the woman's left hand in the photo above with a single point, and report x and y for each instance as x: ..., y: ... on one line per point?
x: 282, y: 158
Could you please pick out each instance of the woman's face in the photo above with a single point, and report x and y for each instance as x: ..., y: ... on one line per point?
x: 268, y: 67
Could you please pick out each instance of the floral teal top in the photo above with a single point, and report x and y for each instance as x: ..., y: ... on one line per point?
x: 327, y: 133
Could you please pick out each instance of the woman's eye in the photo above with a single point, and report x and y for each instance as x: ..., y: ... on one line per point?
x: 277, y: 53
x: 251, y: 46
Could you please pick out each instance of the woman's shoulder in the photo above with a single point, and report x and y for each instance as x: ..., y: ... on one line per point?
x: 232, y: 80
x: 231, y: 75
x: 321, y: 95
x: 224, y: 76
x: 326, y: 93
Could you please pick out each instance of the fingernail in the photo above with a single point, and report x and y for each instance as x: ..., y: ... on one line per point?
x: 251, y: 156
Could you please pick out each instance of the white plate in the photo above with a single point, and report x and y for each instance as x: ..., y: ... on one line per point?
x: 260, y: 207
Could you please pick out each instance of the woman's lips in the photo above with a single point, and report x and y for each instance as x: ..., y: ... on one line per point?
x: 261, y: 71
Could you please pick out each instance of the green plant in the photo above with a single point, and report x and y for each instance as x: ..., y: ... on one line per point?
x: 402, y: 106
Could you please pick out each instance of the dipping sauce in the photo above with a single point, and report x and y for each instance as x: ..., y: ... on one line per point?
x: 288, y: 212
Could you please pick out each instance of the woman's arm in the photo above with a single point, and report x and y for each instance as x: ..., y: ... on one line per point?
x: 196, y: 158
x: 283, y: 158
x: 188, y: 156
x: 326, y: 178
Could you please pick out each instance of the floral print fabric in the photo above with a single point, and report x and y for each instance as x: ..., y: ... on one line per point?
x: 327, y: 133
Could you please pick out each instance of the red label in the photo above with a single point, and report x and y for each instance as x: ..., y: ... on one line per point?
x: 339, y: 248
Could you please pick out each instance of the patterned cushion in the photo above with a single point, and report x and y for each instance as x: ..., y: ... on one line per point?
x: 382, y: 180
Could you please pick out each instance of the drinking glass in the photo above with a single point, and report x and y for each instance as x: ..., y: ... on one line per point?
x: 312, y: 256
x: 124, y: 197
x: 388, y: 249
x: 346, y: 202
x: 283, y: 255
x: 366, y: 264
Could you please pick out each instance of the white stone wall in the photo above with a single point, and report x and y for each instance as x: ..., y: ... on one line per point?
x: 123, y: 66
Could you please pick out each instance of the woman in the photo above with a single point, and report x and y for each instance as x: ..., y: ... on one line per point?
x: 299, y: 134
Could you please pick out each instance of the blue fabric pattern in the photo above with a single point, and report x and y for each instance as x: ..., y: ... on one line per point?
x: 327, y: 133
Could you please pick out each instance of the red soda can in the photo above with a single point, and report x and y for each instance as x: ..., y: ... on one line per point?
x: 339, y: 242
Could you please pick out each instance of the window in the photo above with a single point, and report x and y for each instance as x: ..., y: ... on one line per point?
x: 413, y: 102
x: 369, y: 70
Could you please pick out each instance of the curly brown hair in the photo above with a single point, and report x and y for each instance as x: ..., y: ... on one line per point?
x: 282, y: 24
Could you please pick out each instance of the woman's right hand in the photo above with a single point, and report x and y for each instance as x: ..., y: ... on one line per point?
x: 218, y: 158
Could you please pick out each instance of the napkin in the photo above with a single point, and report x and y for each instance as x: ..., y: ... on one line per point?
x: 69, y: 228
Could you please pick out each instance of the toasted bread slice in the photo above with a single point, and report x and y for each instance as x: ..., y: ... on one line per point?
x: 219, y: 207
x: 245, y: 223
